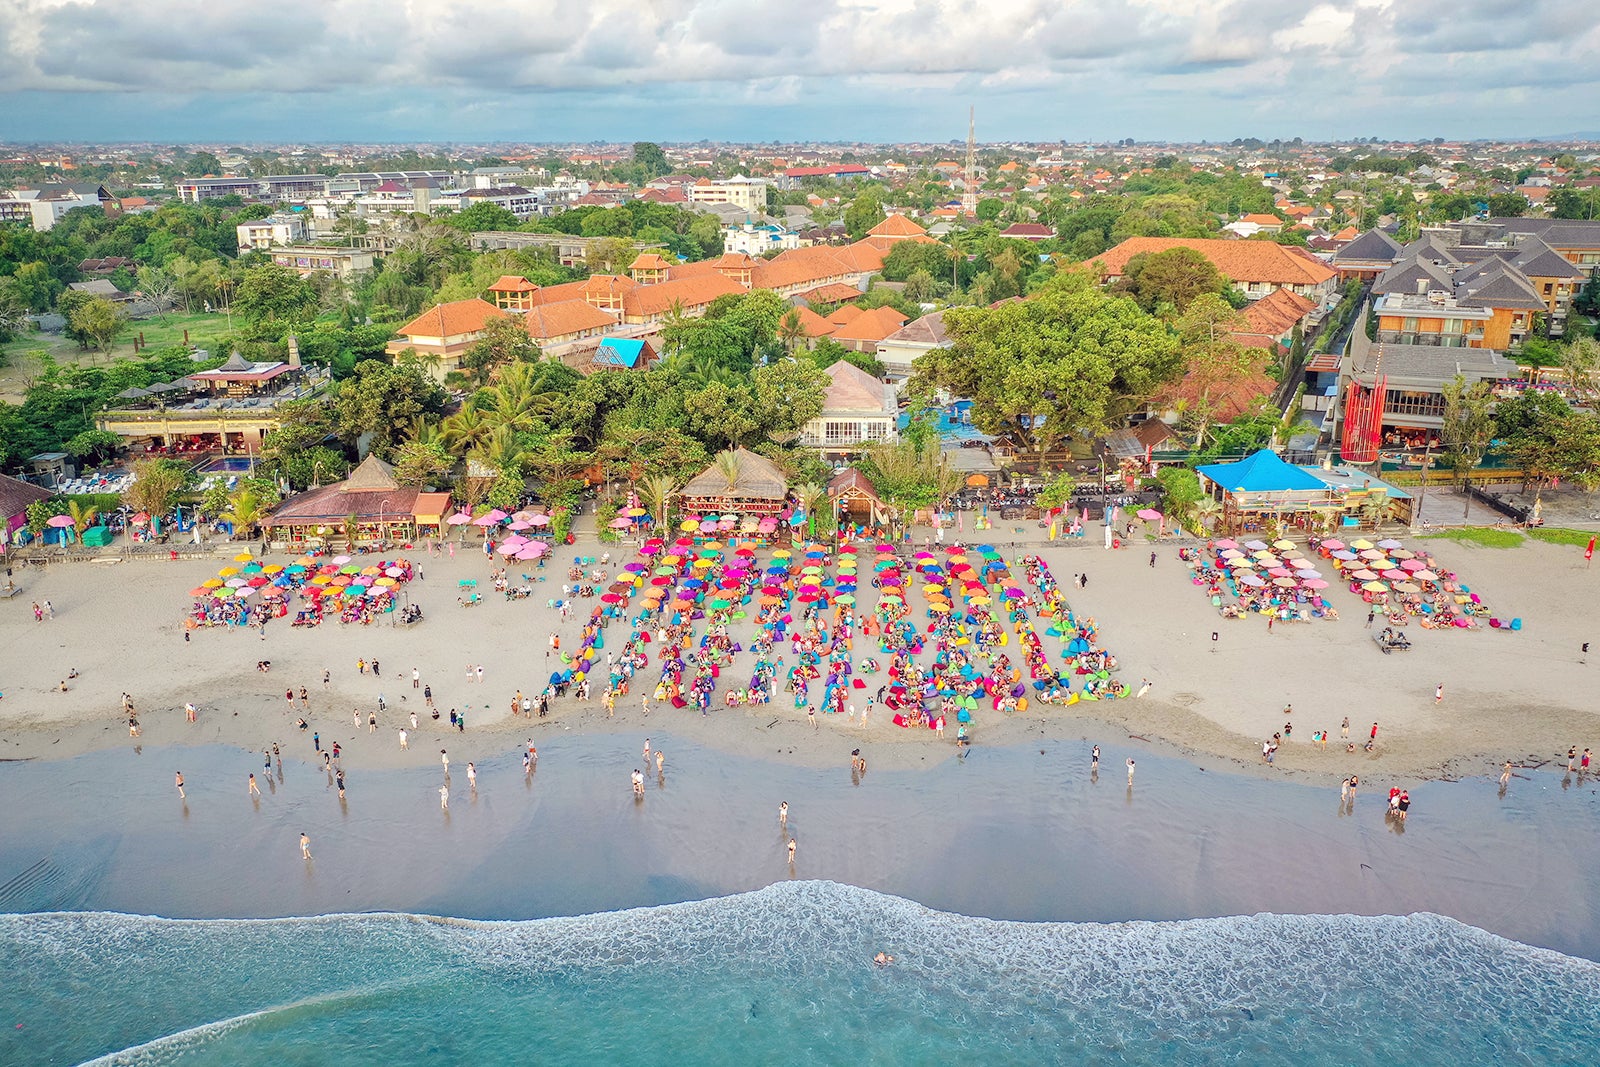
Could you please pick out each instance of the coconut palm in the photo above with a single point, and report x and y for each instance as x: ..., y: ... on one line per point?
x: 1377, y: 510
x: 1205, y: 511
x: 658, y: 490
x: 728, y: 464
x: 791, y: 331
x: 245, y: 511
x: 465, y: 431
x: 83, y: 515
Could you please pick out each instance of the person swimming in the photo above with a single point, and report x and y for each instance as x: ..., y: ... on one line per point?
x: 882, y: 959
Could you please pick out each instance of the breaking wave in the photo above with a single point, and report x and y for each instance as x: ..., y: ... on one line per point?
x: 784, y: 974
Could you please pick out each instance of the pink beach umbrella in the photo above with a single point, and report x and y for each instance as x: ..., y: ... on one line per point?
x: 1331, y: 544
x: 460, y: 518
x: 539, y: 520
x: 1227, y: 543
x: 527, y: 552
x: 519, y: 524
x: 508, y: 549
x: 1412, y: 565
x: 485, y: 520
x: 620, y: 523
x: 1315, y: 583
x: 60, y: 522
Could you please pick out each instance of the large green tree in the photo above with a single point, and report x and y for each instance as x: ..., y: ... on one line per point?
x: 381, y: 399
x: 1467, y: 427
x: 1168, y: 282
x: 273, y: 298
x: 1071, y: 361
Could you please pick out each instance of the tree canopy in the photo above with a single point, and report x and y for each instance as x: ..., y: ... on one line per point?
x: 1068, y: 362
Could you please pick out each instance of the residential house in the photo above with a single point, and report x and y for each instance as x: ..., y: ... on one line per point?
x: 886, y: 234
x: 102, y: 287
x: 371, y: 497
x: 857, y: 410
x: 1029, y: 231
x: 899, y: 351
x: 15, y: 496
x: 1270, y: 322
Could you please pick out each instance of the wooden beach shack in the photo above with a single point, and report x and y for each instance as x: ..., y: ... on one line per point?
x: 1262, y: 489
x: 855, y: 499
x: 741, y: 483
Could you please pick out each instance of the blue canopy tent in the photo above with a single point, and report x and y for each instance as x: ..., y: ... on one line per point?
x: 1262, y: 487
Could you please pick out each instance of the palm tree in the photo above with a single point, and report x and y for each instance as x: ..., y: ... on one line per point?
x: 791, y: 331
x: 245, y: 511
x: 1376, y: 511
x: 465, y: 431
x: 352, y: 527
x: 83, y: 516
x: 659, y: 489
x: 728, y: 464
x: 500, y: 449
x: 1205, y: 512
x: 423, y: 431
x: 808, y: 495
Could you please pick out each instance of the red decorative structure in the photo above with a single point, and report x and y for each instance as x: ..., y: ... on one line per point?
x: 1363, y: 421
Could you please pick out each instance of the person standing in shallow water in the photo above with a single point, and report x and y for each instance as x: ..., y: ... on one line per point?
x: 1094, y: 760
x: 1130, y: 770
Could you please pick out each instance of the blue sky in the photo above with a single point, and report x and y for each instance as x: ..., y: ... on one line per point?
x: 872, y: 70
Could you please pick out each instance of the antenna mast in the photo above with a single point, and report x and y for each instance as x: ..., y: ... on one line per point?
x: 969, y: 192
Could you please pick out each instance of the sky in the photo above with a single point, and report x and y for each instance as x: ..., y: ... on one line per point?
x: 783, y: 70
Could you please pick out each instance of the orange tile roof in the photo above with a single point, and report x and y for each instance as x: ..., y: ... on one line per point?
x: 845, y: 314
x: 693, y: 292
x: 453, y: 319
x: 896, y: 226
x: 1276, y: 313
x: 883, y: 244
x: 813, y: 324
x: 1240, y: 261
x: 815, y: 265
x: 513, y: 283
x: 554, y: 294
x: 649, y: 261
x: 828, y: 294
x: 549, y: 321
x: 607, y: 285
x: 1261, y: 218
x: 872, y: 325
x: 733, y: 261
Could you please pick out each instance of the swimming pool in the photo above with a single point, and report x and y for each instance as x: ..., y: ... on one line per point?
x: 226, y: 465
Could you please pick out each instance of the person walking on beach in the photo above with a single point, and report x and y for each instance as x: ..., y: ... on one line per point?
x: 305, y: 846
x: 375, y: 669
x: 638, y: 783
x: 339, y: 781
x: 1344, y: 791
x: 1344, y: 728
x: 783, y: 814
x: 1130, y: 770
x: 1152, y: 561
x: 1094, y: 760
x: 472, y: 777
x: 1572, y: 758
x: 1371, y: 614
x: 1505, y: 774
x: 255, y: 790
x: 444, y: 758
x: 811, y: 713
x: 372, y: 722
x: 189, y: 711
x: 661, y: 761
x: 181, y: 794
x: 791, y: 852
x: 403, y: 739
x: 1583, y: 764
x: 416, y: 678
x: 1373, y: 736
x: 413, y: 720
x: 1438, y: 693
x: 361, y: 665
x: 316, y: 741
x: 327, y: 677
x: 478, y: 671
x: 444, y: 798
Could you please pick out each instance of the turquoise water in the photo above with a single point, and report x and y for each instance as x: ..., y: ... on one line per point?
x: 782, y: 975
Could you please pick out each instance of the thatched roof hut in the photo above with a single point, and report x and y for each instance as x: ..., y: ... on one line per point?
x: 757, y: 487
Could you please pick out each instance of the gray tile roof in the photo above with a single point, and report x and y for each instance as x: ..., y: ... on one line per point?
x: 1374, y: 246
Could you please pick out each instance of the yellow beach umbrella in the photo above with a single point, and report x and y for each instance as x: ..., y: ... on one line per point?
x: 228, y: 572
x: 243, y: 557
x: 1361, y: 545
x: 212, y: 583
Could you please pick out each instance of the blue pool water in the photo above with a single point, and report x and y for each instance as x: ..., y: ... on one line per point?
x: 783, y: 975
x: 227, y: 465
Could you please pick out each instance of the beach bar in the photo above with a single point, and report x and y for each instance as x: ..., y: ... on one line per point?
x: 1262, y: 489
x: 756, y: 487
x: 370, y: 499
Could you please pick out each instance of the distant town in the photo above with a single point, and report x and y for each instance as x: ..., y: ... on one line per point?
x: 473, y: 314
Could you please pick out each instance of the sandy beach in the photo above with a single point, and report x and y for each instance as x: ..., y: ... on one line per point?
x: 1524, y: 696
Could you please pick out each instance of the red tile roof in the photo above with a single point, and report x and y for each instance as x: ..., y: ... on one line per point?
x: 549, y: 321
x: 453, y: 319
x: 694, y: 292
x: 513, y: 283
x: 1240, y: 261
x: 896, y: 226
x: 872, y: 325
x: 813, y: 324
x: 1276, y: 313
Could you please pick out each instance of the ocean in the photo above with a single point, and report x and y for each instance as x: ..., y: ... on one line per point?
x: 1037, y: 915
x: 785, y: 975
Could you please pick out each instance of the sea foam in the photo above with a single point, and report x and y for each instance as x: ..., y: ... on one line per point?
x: 765, y: 975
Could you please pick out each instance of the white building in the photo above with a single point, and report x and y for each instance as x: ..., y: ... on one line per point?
x: 747, y: 194
x: 857, y: 410
x: 900, y: 350
x: 755, y: 240
x: 344, y: 262
x: 42, y: 208
x: 261, y: 234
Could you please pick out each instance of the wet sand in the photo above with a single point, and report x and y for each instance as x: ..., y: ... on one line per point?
x: 1014, y: 833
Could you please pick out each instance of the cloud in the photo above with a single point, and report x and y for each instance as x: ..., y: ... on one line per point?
x: 1170, y: 68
